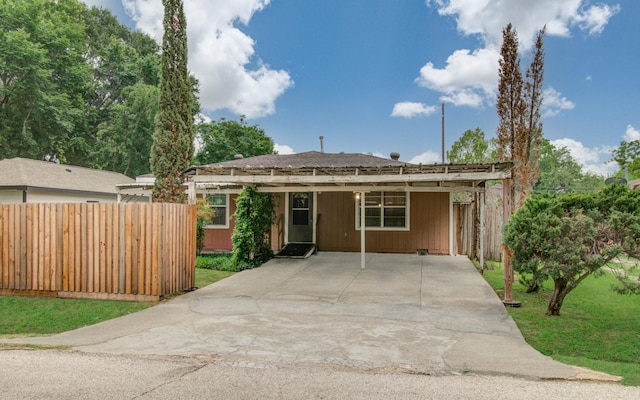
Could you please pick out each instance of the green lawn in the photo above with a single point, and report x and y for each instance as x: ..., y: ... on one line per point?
x: 597, y: 328
x: 32, y: 316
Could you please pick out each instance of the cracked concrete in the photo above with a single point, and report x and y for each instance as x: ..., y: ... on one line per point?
x: 425, y: 314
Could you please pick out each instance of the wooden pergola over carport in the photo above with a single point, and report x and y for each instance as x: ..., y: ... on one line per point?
x: 322, y: 172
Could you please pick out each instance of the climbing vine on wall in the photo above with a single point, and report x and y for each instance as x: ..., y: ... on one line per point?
x: 253, y: 217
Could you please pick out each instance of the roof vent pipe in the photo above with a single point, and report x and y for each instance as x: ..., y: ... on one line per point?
x: 321, y: 144
x: 238, y: 157
x: 395, y: 156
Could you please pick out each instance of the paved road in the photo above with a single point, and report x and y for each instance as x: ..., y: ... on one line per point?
x: 405, y: 325
x: 41, y: 374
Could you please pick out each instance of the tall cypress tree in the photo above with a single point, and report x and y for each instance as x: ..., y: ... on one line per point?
x: 172, y: 149
x: 518, y: 105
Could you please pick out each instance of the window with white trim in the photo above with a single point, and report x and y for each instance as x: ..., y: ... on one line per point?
x: 384, y: 210
x: 219, y: 203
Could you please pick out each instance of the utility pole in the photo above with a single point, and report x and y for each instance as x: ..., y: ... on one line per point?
x: 321, y: 144
x: 443, y: 133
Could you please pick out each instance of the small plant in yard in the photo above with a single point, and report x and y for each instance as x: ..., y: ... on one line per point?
x: 204, y: 213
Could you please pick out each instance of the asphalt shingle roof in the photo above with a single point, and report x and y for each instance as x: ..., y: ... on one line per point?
x: 21, y: 172
x: 310, y: 159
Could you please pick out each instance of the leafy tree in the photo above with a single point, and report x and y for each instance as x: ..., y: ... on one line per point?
x: 43, y: 78
x: 472, y: 147
x: 568, y: 237
x: 68, y: 74
x: 518, y: 105
x: 223, y: 139
x: 253, y: 216
x: 126, y: 138
x: 560, y: 172
x: 627, y: 155
x: 173, y: 148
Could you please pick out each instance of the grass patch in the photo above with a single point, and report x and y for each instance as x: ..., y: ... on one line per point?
x: 597, y: 328
x: 206, y: 277
x: 30, y: 316
x: 37, y: 316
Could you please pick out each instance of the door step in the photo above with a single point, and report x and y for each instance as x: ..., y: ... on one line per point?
x: 296, y: 250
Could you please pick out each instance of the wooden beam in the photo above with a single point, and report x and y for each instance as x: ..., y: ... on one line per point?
x: 351, y: 179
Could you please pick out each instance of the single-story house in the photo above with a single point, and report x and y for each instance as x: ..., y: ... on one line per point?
x: 23, y: 180
x: 322, y: 198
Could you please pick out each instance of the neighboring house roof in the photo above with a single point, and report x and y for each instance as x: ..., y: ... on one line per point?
x: 24, y: 173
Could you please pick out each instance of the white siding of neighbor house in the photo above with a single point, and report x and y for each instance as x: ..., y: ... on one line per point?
x: 52, y: 197
x: 15, y: 196
x: 10, y: 196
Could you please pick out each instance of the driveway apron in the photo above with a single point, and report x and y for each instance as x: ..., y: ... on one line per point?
x: 421, y: 314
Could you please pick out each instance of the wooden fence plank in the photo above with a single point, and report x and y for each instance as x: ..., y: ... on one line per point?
x: 77, y: 263
x: 108, y: 248
x: 142, y: 226
x: 135, y: 247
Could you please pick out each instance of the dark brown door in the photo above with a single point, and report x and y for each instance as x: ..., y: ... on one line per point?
x: 301, y: 217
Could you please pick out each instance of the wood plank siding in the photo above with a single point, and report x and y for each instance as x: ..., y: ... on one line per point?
x: 136, y: 251
x: 428, y: 216
x: 219, y: 239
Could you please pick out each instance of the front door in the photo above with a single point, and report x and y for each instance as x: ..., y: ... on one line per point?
x: 301, y: 217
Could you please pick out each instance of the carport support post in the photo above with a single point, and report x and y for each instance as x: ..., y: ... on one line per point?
x: 481, y: 211
x: 362, y: 230
x: 507, y: 207
x: 191, y: 192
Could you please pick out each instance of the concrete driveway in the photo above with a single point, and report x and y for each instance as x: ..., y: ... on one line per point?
x: 420, y: 314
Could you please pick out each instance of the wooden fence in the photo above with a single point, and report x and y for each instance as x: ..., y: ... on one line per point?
x: 105, y: 251
x: 467, y: 223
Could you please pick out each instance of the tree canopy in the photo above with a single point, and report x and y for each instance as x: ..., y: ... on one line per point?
x: 76, y: 83
x: 627, y: 156
x: 221, y: 140
x: 560, y: 172
x: 472, y: 147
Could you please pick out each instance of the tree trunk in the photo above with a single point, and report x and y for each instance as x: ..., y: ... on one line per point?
x: 560, y: 291
x: 533, y: 285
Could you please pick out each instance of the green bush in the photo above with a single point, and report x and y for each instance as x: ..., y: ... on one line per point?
x: 568, y: 237
x: 254, y: 215
x: 218, y: 261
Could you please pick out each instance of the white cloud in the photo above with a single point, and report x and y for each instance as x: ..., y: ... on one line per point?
x: 467, y: 78
x: 283, y: 149
x: 428, y: 157
x: 553, y: 102
x: 593, y: 160
x: 220, y: 54
x: 595, y: 18
x: 470, y: 77
x: 631, y: 134
x: 409, y: 109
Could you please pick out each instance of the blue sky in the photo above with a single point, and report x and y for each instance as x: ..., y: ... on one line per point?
x: 371, y: 75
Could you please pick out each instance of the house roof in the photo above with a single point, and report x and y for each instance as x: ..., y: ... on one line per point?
x: 342, y: 171
x: 19, y: 173
x: 309, y: 159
